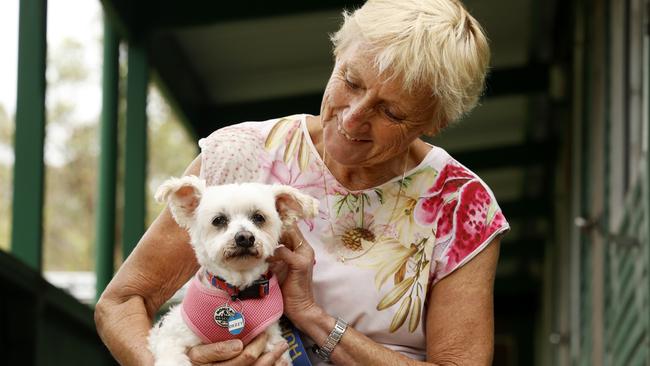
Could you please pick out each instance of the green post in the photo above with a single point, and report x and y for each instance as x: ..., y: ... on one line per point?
x: 105, y: 219
x: 27, y: 226
x: 646, y: 188
x: 135, y: 172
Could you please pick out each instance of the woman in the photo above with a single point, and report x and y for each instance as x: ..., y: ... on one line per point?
x: 407, y: 241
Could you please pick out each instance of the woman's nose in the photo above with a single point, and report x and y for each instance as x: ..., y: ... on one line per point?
x: 356, y: 116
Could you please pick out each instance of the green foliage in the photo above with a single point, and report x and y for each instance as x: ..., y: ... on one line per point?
x: 6, y: 127
x: 72, y: 161
x: 66, y: 64
x: 6, y: 175
x: 71, y: 164
x: 171, y: 148
x: 69, y: 203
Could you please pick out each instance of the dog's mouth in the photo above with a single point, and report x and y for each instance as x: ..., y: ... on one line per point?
x: 243, y: 253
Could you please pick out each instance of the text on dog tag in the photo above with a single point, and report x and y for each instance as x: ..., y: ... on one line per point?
x: 236, y: 323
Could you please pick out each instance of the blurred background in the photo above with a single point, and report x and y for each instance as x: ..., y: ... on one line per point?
x: 102, y: 100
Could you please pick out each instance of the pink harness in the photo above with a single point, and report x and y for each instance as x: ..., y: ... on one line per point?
x: 200, y: 305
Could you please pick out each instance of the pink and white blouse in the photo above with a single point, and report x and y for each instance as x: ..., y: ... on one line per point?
x: 378, y: 251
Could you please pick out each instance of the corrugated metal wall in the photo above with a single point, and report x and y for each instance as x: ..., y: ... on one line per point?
x: 610, y: 308
x: 626, y: 282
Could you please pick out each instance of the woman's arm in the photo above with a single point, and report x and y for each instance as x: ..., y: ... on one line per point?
x: 459, y: 326
x: 160, y: 264
x: 460, y: 316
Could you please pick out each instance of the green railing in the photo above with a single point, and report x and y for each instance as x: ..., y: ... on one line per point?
x: 42, y: 325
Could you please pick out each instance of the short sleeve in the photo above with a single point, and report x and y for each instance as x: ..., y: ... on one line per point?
x: 231, y: 155
x: 467, y: 220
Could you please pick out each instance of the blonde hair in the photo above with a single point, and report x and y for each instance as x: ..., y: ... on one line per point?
x: 434, y: 43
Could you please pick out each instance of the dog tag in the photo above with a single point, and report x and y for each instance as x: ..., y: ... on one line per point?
x: 222, y: 314
x: 236, y: 323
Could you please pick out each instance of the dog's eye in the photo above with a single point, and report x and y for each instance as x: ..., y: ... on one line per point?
x: 258, y: 219
x: 220, y: 220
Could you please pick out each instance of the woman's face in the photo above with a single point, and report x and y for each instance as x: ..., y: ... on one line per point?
x: 367, y: 118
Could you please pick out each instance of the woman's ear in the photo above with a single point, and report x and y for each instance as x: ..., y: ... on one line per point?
x: 292, y: 205
x: 183, y: 196
x: 436, y: 128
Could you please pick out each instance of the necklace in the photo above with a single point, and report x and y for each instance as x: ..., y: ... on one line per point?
x: 359, y: 233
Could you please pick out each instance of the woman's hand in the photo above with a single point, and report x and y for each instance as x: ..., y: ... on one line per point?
x: 296, y: 285
x: 232, y: 353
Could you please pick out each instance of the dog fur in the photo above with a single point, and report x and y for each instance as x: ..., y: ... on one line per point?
x: 213, y: 215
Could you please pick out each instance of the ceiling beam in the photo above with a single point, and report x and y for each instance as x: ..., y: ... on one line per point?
x: 144, y: 16
x: 507, y: 156
x: 174, y: 13
x: 227, y: 114
x: 532, y: 78
x: 525, y: 79
x: 178, y: 82
x: 138, y: 18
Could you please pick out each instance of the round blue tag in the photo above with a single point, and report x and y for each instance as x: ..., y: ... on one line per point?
x: 236, y: 323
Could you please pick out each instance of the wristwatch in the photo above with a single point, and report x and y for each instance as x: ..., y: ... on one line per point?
x: 332, y: 340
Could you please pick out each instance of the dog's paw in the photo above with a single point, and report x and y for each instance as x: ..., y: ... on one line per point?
x: 284, y: 360
x: 272, y: 344
x: 269, y: 347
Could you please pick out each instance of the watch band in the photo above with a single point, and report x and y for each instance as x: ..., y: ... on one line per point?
x: 332, y: 340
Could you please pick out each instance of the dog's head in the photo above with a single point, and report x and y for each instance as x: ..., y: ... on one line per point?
x: 235, y: 226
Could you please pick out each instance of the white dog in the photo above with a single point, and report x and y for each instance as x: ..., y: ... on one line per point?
x: 233, y: 228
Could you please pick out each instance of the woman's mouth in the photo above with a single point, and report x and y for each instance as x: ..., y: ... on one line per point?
x: 345, y: 134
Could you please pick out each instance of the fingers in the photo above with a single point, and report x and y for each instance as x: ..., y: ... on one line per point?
x: 279, y: 269
x: 250, y: 354
x: 206, y: 353
x: 228, y: 353
x: 291, y: 258
x: 269, y: 359
x: 296, y: 252
x: 298, y: 245
x: 295, y: 241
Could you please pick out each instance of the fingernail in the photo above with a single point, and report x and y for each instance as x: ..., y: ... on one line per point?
x: 284, y: 345
x: 234, y: 345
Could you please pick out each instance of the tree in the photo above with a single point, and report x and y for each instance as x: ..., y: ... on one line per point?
x: 71, y: 186
x: 71, y: 161
x: 6, y: 176
x: 171, y: 148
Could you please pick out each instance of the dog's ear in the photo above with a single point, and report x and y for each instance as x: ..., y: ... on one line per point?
x: 183, y: 196
x: 292, y: 205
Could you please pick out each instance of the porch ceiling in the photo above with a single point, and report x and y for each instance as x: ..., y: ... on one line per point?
x: 225, y: 62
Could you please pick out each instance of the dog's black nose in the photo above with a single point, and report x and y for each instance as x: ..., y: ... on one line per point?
x: 244, y: 239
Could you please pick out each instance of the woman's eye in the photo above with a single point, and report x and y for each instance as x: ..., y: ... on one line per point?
x: 220, y: 221
x: 392, y: 116
x: 351, y: 84
x: 258, y: 219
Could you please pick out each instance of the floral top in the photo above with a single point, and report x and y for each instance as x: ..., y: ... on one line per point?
x: 378, y: 251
